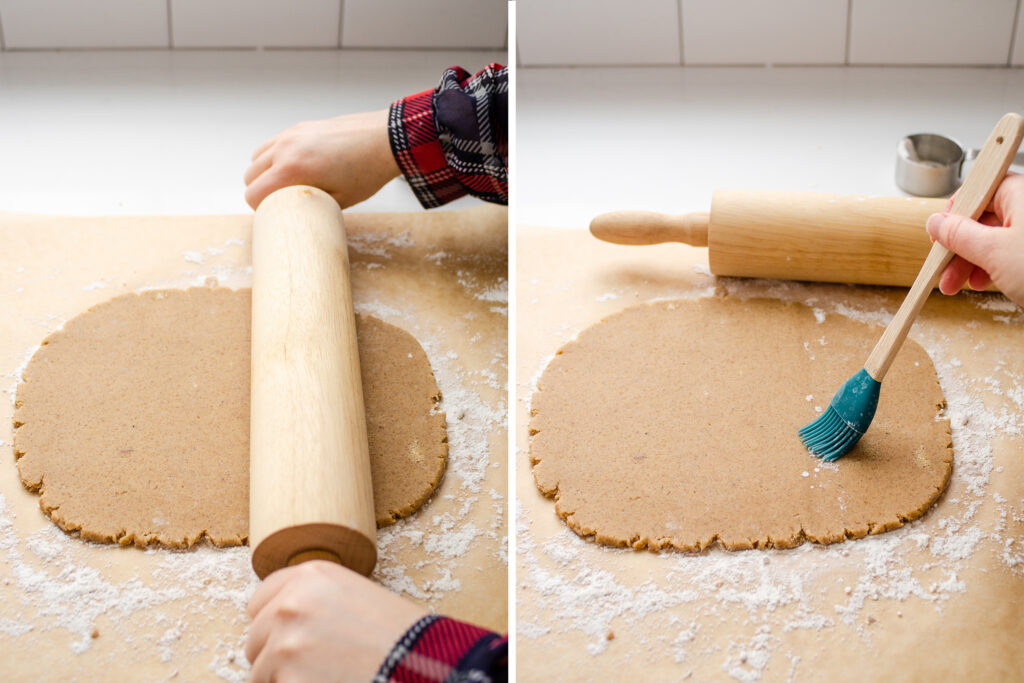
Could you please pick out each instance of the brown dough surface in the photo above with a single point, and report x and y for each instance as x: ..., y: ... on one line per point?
x: 674, y: 425
x: 132, y: 421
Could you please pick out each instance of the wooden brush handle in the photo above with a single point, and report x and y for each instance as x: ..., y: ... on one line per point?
x: 972, y: 199
x: 310, y: 493
x: 649, y: 227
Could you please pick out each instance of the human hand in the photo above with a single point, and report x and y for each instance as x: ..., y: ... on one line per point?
x: 990, y: 250
x: 348, y: 157
x: 319, y: 621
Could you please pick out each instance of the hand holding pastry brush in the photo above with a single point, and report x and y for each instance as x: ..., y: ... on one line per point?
x: 849, y: 414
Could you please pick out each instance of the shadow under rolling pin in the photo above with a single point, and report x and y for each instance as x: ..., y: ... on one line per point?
x: 310, y: 492
x: 793, y: 235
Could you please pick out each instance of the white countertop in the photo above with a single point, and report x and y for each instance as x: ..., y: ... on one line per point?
x: 171, y: 132
x: 592, y: 140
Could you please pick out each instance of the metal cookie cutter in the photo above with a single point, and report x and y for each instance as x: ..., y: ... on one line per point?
x: 929, y: 165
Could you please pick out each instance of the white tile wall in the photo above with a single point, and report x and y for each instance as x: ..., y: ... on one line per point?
x: 1018, y: 42
x: 424, y: 23
x: 931, y: 31
x: 77, y: 23
x: 598, y: 32
x: 755, y: 31
x: 550, y: 32
x: 255, y: 23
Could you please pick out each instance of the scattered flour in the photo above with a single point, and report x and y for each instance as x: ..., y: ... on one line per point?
x: 993, y: 303
x: 14, y: 628
x: 497, y: 293
x: 450, y: 535
x: 379, y: 244
x: 64, y: 586
x: 530, y: 630
x: 700, y: 598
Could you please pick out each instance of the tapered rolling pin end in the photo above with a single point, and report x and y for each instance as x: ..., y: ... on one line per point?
x: 649, y: 227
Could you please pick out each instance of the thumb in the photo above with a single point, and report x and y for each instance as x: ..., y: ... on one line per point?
x: 969, y: 239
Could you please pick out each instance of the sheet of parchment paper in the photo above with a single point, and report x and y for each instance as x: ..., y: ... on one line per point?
x: 71, y: 609
x: 937, y: 599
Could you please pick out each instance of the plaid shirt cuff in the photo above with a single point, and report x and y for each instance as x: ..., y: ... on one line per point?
x: 412, y: 129
x: 437, y: 649
x: 453, y: 140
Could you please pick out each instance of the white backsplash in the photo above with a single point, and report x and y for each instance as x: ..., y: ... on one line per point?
x: 780, y: 32
x: 42, y: 24
x: 591, y: 32
x: 254, y: 23
x: 550, y: 32
x: 71, y: 24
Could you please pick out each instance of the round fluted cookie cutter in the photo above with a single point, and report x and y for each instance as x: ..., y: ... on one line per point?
x: 931, y: 165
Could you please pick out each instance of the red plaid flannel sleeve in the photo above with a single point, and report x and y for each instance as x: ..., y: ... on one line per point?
x: 453, y: 140
x: 437, y: 649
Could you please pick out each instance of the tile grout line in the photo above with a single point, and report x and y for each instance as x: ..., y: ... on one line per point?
x: 1013, y: 35
x: 170, y: 27
x: 849, y: 30
x: 679, y: 27
x: 341, y: 19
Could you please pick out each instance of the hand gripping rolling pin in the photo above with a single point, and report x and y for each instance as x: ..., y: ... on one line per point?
x: 793, y: 235
x: 310, y: 493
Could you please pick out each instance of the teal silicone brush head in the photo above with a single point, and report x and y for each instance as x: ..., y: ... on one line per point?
x: 849, y: 415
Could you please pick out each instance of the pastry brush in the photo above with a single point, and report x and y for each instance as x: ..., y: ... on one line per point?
x: 851, y: 410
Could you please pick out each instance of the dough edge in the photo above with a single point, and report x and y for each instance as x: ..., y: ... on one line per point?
x: 143, y: 540
x: 639, y: 541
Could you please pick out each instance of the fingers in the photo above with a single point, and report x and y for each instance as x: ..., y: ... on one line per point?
x: 258, y: 634
x: 955, y: 275
x: 968, y: 239
x: 275, y: 169
x: 264, y: 608
x: 265, y: 667
x: 258, y: 166
x: 1008, y: 201
x: 262, y: 160
x: 990, y: 219
x: 270, y: 587
x: 267, y: 144
x: 980, y: 279
x: 1010, y: 192
x: 267, y: 182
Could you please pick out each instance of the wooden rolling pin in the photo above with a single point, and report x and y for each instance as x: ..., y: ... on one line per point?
x: 310, y: 494
x: 793, y: 235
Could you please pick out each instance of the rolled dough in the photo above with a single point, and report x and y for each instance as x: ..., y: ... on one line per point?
x: 132, y: 421
x: 674, y: 425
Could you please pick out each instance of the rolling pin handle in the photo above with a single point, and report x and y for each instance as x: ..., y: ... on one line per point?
x: 649, y: 227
